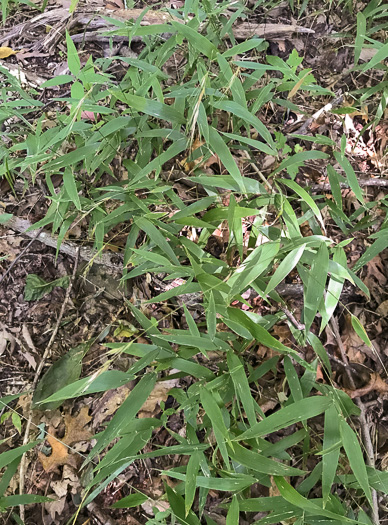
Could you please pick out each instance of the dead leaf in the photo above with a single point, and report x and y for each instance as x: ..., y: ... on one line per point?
x: 367, y: 53
x: 6, y: 52
x: 30, y: 359
x: 190, y: 165
x: 382, y: 309
x: 75, y: 432
x: 6, y: 337
x: 158, y: 394
x: 115, y: 4
x: 109, y: 403
x: 59, y: 454
x: 55, y: 507
x: 375, y: 383
x: 355, y: 348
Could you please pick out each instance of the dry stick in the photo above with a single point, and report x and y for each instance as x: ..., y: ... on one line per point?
x: 20, y: 255
x: 23, y: 463
x: 379, y: 183
x: 305, y: 127
x: 364, y: 424
x: 67, y: 247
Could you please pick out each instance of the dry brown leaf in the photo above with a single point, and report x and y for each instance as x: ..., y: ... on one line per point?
x: 59, y: 454
x: 382, y: 309
x: 74, y: 433
x: 158, y: 394
x: 190, y: 165
x: 75, y: 430
x: 109, y: 403
x: 55, y: 507
x: 6, y: 52
x: 356, y: 350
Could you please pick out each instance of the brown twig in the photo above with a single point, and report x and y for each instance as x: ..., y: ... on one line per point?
x: 379, y: 183
x: 370, y: 457
x: 305, y: 127
x: 69, y: 248
x: 291, y: 318
x: 23, y: 463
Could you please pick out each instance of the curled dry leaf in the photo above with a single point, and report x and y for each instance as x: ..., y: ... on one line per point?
x: 356, y: 349
x: 375, y: 383
x: 158, y: 394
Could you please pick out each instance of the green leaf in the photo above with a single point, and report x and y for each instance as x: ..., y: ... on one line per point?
x: 241, y: 386
x: 360, y: 330
x: 214, y: 413
x: 211, y: 319
x: 57, y: 81
x: 7, y: 457
x: 5, y: 217
x: 262, y: 335
x: 350, y: 175
x: 36, y: 287
x: 360, y: 37
x: 378, y: 246
x: 292, y: 379
x: 330, y: 459
x: 334, y: 289
x: 22, y: 499
x: 99, y: 382
x: 260, y: 463
x: 157, y: 238
x: 73, y: 60
x: 355, y: 457
x: 218, y: 146
x: 237, y: 483
x: 63, y: 372
x: 191, y: 477
x: 124, y: 414
x: 284, y: 268
x: 298, y: 159
x: 151, y: 107
x: 233, y: 515
x: 291, y: 414
x: 178, y: 507
x: 243, y: 113
x: 133, y: 500
x: 243, y: 47
x: 71, y: 188
x: 200, y: 43
x: 293, y: 497
x: 253, y: 266
x: 305, y: 197
x: 316, y: 283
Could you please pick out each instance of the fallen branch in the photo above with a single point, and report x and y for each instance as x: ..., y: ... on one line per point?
x: 89, y: 18
x: 380, y: 183
x: 245, y: 30
x: 112, y: 262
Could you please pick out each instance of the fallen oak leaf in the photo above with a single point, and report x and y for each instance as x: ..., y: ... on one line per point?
x: 59, y: 454
x: 60, y: 448
x: 6, y: 52
x: 75, y: 427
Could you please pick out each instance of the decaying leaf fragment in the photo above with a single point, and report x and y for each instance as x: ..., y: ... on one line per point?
x: 6, y: 52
